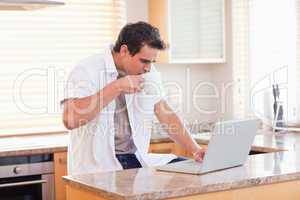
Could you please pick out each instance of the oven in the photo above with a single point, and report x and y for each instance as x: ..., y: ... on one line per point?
x: 27, y: 177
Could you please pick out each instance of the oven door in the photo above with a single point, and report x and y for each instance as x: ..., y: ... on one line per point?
x: 35, y: 187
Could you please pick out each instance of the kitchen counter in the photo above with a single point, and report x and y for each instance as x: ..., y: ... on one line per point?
x: 281, y: 169
x: 263, y: 176
x: 33, y: 144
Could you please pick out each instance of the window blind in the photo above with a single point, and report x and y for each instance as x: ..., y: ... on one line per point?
x: 39, y: 48
x: 196, y: 29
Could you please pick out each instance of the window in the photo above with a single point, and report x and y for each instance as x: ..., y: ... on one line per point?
x: 273, y: 56
x: 197, y: 31
x: 38, y: 49
x: 265, y: 49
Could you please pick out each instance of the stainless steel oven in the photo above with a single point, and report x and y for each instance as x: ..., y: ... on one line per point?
x: 27, y: 177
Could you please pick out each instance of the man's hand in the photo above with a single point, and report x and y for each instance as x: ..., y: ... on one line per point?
x: 199, y: 154
x: 130, y: 84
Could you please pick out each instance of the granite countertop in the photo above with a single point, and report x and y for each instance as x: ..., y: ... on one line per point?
x: 147, y: 183
x: 33, y: 144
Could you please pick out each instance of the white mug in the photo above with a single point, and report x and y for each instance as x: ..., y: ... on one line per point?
x: 152, y: 83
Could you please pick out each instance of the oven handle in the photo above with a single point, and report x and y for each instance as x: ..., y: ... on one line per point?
x: 22, y: 183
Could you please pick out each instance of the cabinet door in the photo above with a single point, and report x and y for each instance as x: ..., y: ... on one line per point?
x: 167, y: 147
x: 60, y: 169
x: 164, y: 147
x: 179, y: 151
x: 158, y: 17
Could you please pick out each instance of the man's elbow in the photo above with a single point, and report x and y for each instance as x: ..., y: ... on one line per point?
x: 73, y: 120
x: 68, y: 123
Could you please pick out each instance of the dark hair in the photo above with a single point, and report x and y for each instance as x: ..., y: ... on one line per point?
x: 136, y: 35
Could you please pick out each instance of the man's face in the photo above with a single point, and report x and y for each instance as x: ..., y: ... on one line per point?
x: 140, y: 62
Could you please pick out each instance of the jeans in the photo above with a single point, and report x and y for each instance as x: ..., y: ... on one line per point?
x: 129, y: 161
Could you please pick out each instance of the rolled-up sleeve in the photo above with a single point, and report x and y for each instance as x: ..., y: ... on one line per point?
x: 78, y: 85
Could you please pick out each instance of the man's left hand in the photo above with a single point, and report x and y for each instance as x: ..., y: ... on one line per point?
x: 199, y: 154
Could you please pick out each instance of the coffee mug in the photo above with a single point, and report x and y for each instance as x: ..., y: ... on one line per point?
x: 152, y: 83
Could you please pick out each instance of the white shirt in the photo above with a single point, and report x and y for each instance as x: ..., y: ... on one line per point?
x: 91, y: 147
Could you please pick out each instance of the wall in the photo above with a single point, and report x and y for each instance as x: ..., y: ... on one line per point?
x: 137, y: 10
x: 188, y: 77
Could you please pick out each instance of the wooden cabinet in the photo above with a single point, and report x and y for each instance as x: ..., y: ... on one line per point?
x: 179, y: 151
x: 164, y: 147
x: 60, y: 169
x: 167, y: 147
x: 158, y: 16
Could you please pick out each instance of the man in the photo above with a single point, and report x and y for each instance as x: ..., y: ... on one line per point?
x: 107, y: 131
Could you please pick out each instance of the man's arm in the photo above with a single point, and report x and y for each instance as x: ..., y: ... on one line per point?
x: 176, y: 130
x: 78, y: 111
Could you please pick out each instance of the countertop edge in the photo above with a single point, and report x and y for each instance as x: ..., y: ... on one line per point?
x: 90, y: 188
x: 183, y: 192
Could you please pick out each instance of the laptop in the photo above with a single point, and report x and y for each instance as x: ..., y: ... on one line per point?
x: 228, y: 147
